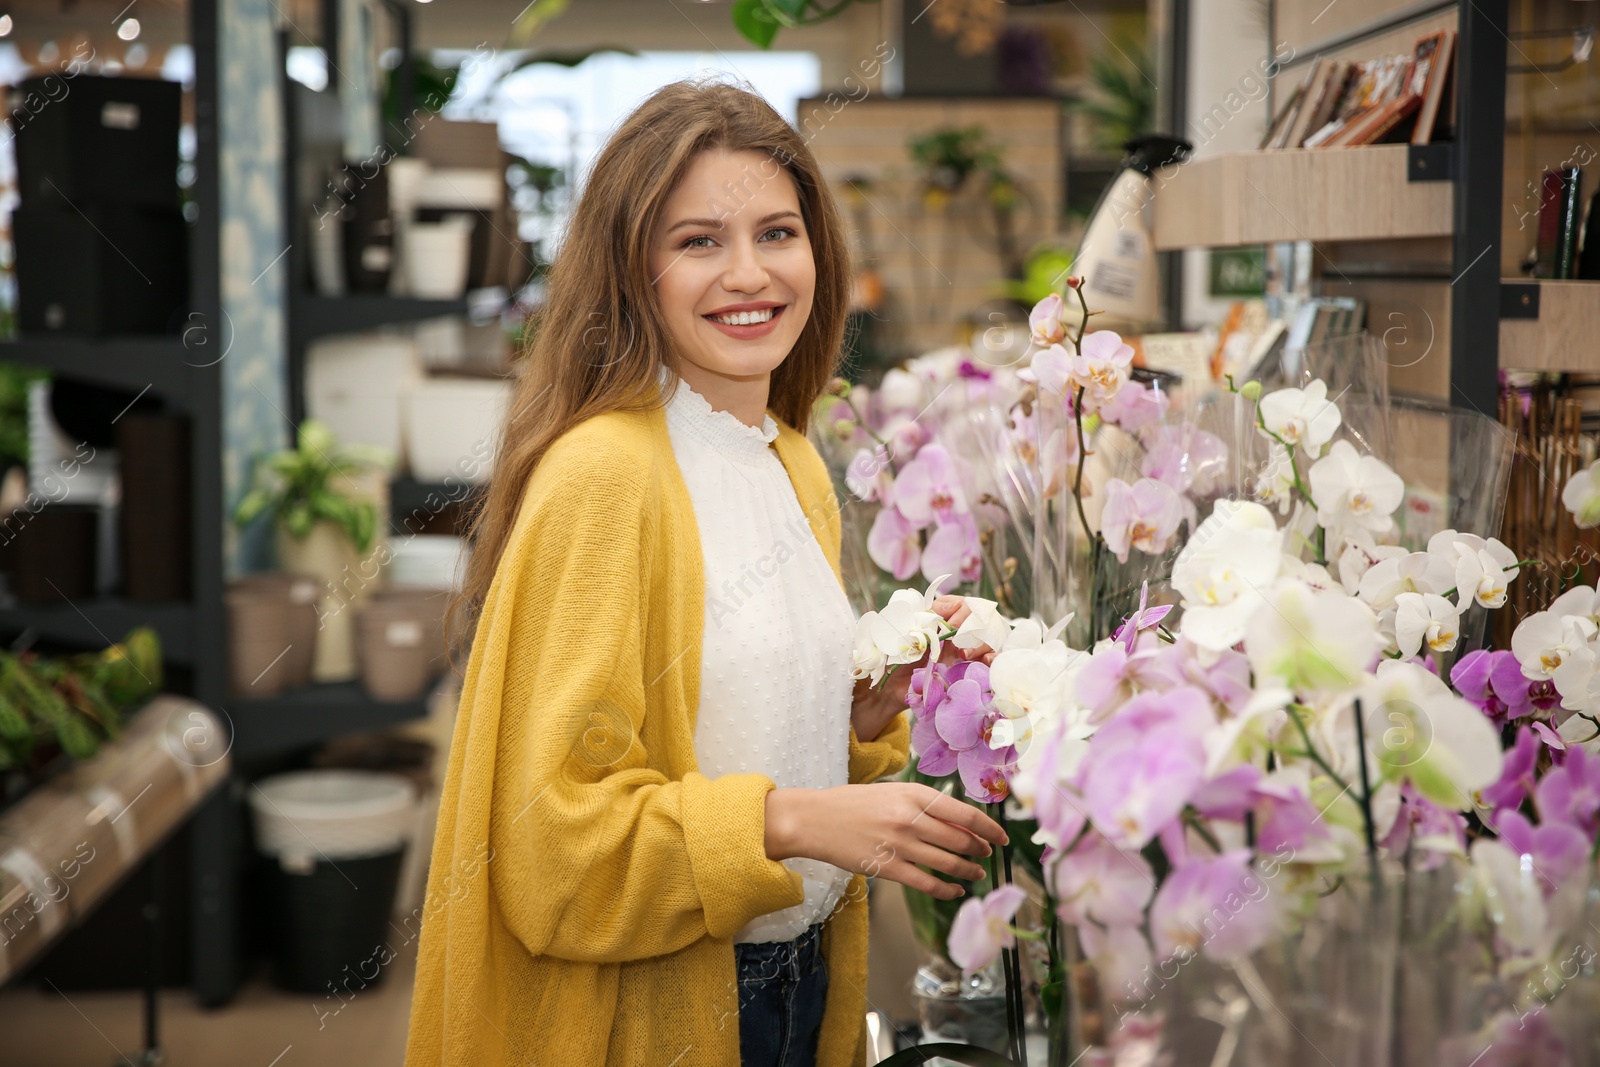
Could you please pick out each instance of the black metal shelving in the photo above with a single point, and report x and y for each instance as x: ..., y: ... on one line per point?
x: 104, y: 621
x: 323, y: 316
x: 303, y: 717
x: 160, y: 364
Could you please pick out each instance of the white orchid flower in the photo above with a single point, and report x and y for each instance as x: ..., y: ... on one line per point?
x: 1355, y: 491
x: 1422, y: 732
x: 1224, y: 572
x: 1305, y: 418
x: 1311, y: 641
x: 1483, y: 567
x: 985, y: 626
x: 905, y: 630
x: 1407, y: 572
x: 1554, y: 647
x: 1581, y: 602
x: 1582, y: 497
x: 1360, y: 555
x: 1425, y: 618
x: 1275, y: 484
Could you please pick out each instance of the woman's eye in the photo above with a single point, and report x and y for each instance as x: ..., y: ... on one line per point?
x: 690, y: 243
x: 781, y: 231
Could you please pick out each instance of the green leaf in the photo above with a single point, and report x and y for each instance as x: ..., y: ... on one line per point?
x: 254, y: 503
x: 1050, y: 995
x: 950, y: 1050
x: 752, y: 19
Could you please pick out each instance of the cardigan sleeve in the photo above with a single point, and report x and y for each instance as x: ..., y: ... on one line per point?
x: 885, y: 754
x: 597, y: 855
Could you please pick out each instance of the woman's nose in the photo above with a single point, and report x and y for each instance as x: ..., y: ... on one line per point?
x: 745, y: 273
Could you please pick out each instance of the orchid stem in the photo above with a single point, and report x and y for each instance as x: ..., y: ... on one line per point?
x: 1366, y: 795
x: 1311, y: 749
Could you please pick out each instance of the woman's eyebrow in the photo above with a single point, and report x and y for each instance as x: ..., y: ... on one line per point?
x: 716, y: 224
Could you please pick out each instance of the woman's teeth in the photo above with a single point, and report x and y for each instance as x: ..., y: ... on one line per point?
x: 744, y: 318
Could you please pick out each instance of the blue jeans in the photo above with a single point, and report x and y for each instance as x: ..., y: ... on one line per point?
x: 782, y: 988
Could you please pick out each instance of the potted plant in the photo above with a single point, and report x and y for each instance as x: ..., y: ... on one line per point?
x: 326, y: 500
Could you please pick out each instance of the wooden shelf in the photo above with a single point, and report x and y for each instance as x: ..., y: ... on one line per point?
x: 1561, y: 337
x: 104, y: 621
x: 162, y: 364
x: 1298, y: 194
x: 312, y: 715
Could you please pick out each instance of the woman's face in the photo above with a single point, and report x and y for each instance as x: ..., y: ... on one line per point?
x: 731, y: 264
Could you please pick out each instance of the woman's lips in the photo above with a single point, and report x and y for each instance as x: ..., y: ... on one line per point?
x: 754, y: 329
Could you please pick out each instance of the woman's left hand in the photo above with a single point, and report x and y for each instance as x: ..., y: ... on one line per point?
x: 875, y: 709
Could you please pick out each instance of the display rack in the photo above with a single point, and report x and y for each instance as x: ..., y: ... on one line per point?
x: 1381, y: 193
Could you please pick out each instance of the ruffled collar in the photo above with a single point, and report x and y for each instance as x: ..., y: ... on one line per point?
x: 723, y: 430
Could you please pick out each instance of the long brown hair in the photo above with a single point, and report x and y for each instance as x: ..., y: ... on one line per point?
x: 599, y: 340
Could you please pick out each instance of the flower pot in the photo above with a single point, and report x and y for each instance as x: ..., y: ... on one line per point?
x: 397, y: 642
x: 426, y: 603
x: 437, y: 255
x: 328, y: 554
x: 298, y: 593
x: 258, y: 641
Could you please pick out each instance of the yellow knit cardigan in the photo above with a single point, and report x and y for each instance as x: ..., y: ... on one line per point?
x: 587, y: 879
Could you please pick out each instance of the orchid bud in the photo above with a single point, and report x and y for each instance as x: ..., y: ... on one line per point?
x: 1250, y: 390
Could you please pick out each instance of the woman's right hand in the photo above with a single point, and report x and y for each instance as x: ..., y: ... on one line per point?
x: 883, y: 829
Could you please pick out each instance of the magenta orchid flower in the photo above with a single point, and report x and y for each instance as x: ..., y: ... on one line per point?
x: 1144, y: 515
x: 1516, y: 773
x: 982, y: 928
x: 893, y: 544
x: 1493, y: 681
x: 1571, y: 792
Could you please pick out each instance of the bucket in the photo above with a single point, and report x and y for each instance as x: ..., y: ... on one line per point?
x: 337, y: 838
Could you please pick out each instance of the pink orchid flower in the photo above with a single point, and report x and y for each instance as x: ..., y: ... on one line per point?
x: 929, y: 488
x: 953, y: 548
x: 983, y: 927
x: 893, y: 544
x: 1100, y: 368
x: 1144, y: 515
x: 1045, y: 323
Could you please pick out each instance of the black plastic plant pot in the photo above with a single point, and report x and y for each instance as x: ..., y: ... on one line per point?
x: 330, y: 924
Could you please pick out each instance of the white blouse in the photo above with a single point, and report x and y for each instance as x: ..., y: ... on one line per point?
x: 775, y: 685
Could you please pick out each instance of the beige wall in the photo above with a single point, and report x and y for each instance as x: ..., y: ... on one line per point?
x: 937, y: 269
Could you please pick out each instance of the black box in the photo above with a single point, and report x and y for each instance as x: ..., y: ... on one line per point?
x: 100, y: 270
x: 90, y: 140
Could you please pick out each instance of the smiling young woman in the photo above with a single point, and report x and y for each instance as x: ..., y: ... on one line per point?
x: 661, y: 808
